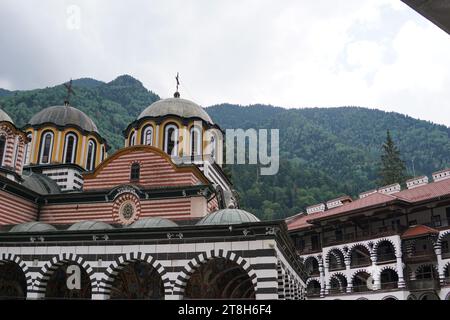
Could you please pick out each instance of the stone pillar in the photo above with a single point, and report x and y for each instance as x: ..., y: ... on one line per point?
x: 322, y: 278
x: 348, y: 271
x: 326, y: 278
x: 401, y: 277
x: 375, y: 273
x: 440, y: 264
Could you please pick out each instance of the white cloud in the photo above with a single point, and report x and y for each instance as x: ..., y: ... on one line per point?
x: 372, y: 53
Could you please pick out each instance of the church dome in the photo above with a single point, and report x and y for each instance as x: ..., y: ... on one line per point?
x: 34, y: 226
x: 228, y: 216
x: 89, y: 225
x: 40, y: 183
x: 64, y: 116
x: 152, y: 223
x: 178, y: 107
x: 4, y: 116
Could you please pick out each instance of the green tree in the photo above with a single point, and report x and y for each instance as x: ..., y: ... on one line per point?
x: 392, y: 166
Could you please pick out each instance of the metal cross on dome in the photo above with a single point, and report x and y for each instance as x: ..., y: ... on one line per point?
x: 69, y: 91
x: 177, y: 94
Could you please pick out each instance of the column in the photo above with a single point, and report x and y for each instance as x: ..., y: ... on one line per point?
x: 375, y: 273
x: 347, y: 261
x: 322, y: 277
x: 326, y: 277
x: 440, y: 265
x: 401, y: 277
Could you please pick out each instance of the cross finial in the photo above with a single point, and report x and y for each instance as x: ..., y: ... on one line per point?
x: 177, y: 94
x: 69, y: 91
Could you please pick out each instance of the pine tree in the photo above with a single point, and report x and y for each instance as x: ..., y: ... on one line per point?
x: 392, y: 166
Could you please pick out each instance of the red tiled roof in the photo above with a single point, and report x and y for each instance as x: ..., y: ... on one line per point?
x: 419, y: 230
x: 418, y: 194
x: 425, y: 192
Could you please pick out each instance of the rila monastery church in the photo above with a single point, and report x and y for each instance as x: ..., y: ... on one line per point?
x: 159, y: 219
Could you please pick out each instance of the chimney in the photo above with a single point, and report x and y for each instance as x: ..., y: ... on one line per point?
x: 315, y: 208
x: 391, y: 189
x: 417, y: 182
x: 338, y: 202
x: 441, y: 175
x: 367, y: 193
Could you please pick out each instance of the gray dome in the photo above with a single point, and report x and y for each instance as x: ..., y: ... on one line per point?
x: 89, y: 225
x: 34, y: 226
x: 40, y: 183
x: 176, y: 106
x: 228, y: 216
x: 152, y: 223
x: 5, y: 117
x: 64, y: 116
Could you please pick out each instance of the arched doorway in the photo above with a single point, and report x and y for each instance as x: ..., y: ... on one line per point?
x: 68, y: 281
x: 429, y: 296
x: 385, y: 252
x: 313, y: 288
x: 360, y: 257
x: 312, y: 267
x: 13, y: 283
x: 338, y: 284
x: 137, y: 280
x: 219, y: 278
x: 336, y: 260
x: 360, y: 282
x: 388, y: 279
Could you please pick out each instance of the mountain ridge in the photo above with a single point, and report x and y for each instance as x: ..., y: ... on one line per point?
x: 324, y: 152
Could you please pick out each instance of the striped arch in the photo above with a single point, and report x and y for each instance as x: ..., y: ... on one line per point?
x: 359, y: 271
x: 359, y: 244
x: 204, y: 257
x: 426, y: 265
x: 390, y: 297
x: 332, y: 252
x: 125, y: 259
x: 442, y: 236
x: 306, y: 258
x: 9, y: 257
x: 379, y: 241
x: 312, y: 279
x: 393, y: 268
x: 40, y: 283
x: 447, y: 266
x: 447, y: 297
x: 335, y: 275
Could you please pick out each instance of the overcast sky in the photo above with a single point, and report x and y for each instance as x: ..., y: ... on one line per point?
x: 291, y: 53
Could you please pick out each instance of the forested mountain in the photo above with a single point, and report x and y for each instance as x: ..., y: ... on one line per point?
x: 324, y: 152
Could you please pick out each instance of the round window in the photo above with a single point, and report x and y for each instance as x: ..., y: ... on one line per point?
x: 127, y: 210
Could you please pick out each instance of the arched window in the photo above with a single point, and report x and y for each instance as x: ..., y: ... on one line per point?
x: 213, y: 147
x: 147, y: 136
x: 28, y: 149
x: 171, y: 140
x: 135, y: 171
x: 70, y: 148
x: 16, y: 152
x: 2, y: 149
x: 133, y: 139
x: 90, y: 161
x: 196, y: 141
x: 46, y: 148
x: 103, y: 153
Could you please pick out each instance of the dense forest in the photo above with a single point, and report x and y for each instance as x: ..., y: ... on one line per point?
x: 324, y: 152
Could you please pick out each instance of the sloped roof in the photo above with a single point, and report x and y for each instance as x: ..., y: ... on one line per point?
x: 417, y: 231
x: 426, y: 192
